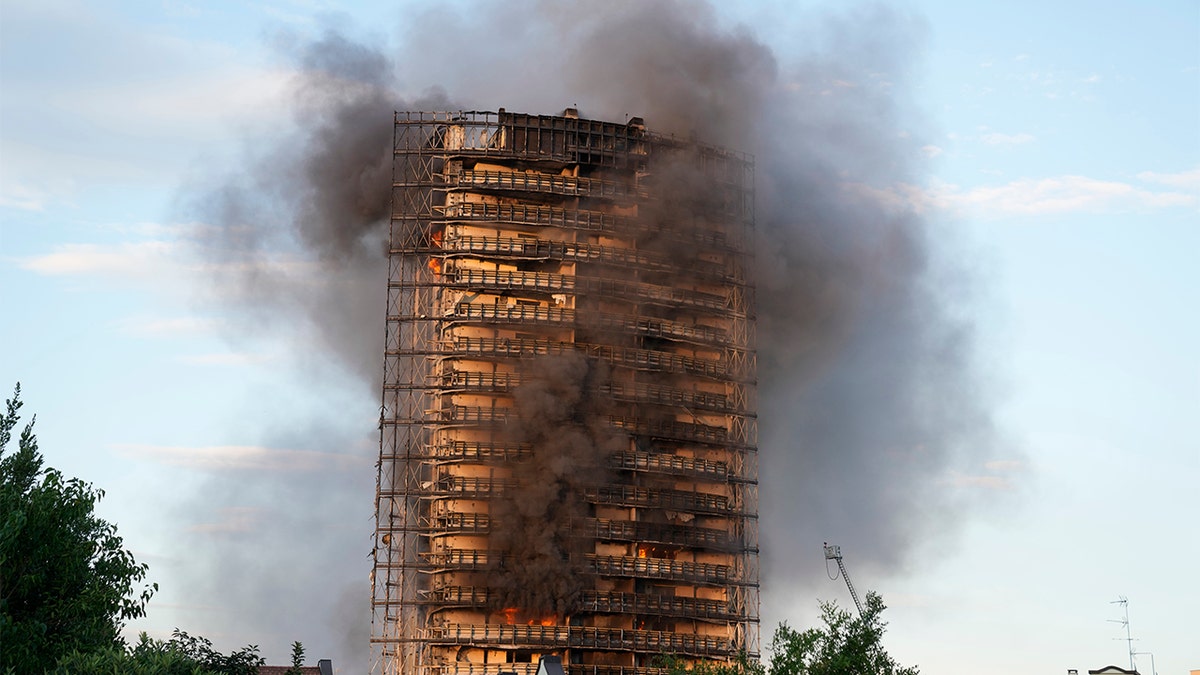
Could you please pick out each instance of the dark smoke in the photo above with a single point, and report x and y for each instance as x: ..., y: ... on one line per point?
x: 296, y: 239
x: 300, y: 234
x: 565, y: 427
x: 868, y: 400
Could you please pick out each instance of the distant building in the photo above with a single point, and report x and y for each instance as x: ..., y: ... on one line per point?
x: 1113, y: 670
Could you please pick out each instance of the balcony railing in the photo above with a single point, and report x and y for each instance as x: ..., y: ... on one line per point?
x: 523, y: 181
x: 569, y: 637
x: 599, y: 602
x: 672, y: 464
x: 466, y: 668
x: 544, y: 249
x: 672, y: 429
x: 658, y: 568
x: 682, y: 500
x: 540, y: 216
x: 614, y: 566
x: 611, y: 288
x: 641, y: 359
x: 559, y: 316
x: 588, y: 221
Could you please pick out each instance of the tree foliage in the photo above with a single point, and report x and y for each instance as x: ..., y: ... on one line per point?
x: 67, y: 584
x: 297, y: 659
x: 181, y: 655
x: 148, y: 657
x: 244, y: 661
x: 845, y: 645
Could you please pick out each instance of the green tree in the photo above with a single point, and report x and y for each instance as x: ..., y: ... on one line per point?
x: 67, y: 584
x: 244, y: 661
x: 297, y: 659
x: 846, y: 645
x: 181, y: 655
x: 148, y: 657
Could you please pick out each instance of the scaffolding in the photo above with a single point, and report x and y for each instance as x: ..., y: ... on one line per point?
x: 516, y: 239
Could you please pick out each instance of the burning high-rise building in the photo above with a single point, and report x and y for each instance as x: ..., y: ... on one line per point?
x: 568, y: 437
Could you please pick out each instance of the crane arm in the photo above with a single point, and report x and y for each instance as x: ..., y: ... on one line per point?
x: 835, y: 553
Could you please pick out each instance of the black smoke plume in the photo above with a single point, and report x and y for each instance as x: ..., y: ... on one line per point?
x: 561, y: 421
x: 869, y: 408
x: 296, y: 240
x: 300, y: 234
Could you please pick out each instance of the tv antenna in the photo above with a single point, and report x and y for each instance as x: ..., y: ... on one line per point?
x: 1153, y: 670
x: 1124, y: 603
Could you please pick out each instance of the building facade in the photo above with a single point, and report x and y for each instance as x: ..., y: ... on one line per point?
x: 568, y: 460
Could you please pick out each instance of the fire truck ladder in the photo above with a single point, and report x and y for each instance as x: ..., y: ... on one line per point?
x: 835, y: 553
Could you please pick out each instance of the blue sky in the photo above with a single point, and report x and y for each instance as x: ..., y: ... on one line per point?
x: 1061, y: 165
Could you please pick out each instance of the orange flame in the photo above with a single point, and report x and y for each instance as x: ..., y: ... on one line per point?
x: 513, y: 615
x: 436, y: 238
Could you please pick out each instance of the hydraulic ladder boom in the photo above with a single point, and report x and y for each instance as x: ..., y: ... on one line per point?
x: 835, y: 553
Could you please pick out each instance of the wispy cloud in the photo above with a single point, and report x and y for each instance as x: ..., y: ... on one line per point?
x: 156, y: 327
x: 1186, y: 180
x: 1042, y: 196
x: 167, y: 262
x: 124, y: 260
x: 155, y: 230
x: 226, y: 359
x: 999, y: 474
x: 22, y: 197
x: 239, y: 458
x: 124, y: 106
x: 1060, y: 194
x: 1005, y: 465
x: 995, y: 138
x: 232, y: 520
x: 197, y: 101
x: 979, y: 481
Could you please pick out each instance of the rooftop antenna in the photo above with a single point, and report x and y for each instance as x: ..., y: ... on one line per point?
x: 1153, y: 670
x: 1124, y: 603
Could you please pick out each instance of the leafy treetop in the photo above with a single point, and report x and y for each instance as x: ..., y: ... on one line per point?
x: 845, y: 645
x: 66, y: 581
x: 181, y: 655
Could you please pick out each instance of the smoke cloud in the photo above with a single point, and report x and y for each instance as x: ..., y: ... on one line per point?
x: 299, y: 233
x: 296, y: 239
x: 564, y: 425
x: 868, y: 400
